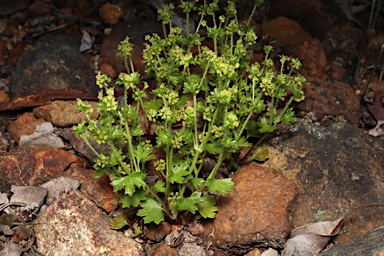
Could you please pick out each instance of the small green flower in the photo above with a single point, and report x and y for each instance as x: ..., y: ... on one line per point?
x: 125, y: 48
x: 102, y: 80
x: 231, y: 121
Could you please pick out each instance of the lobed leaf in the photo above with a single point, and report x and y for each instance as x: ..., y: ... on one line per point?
x: 223, y: 186
x: 151, y: 211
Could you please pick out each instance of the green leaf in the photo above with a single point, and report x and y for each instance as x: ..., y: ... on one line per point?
x: 129, y: 182
x: 214, y: 148
x: 137, y: 231
x: 197, y: 182
x: 118, y: 222
x: 179, y: 173
x: 207, y: 208
x: 289, y: 117
x: 160, y: 186
x: 164, y: 138
x: 190, y: 203
x: 98, y: 172
x: 264, y: 126
x: 134, y: 200
x: 260, y: 154
x: 151, y: 211
x: 222, y: 185
x: 143, y: 153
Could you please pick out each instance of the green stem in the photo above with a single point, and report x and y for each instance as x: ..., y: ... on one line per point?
x: 213, y: 172
x: 130, y: 145
x: 161, y: 202
x: 253, y: 11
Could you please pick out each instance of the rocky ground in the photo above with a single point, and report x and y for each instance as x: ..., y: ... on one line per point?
x: 321, y: 190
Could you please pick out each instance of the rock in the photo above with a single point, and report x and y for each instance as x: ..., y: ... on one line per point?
x: 53, y: 64
x: 309, y: 14
x: 32, y: 166
x: 4, y: 144
x: 158, y: 232
x: 371, y: 244
x: 285, y: 31
x: 312, y: 55
x: 324, y: 97
x: 337, y: 169
x: 163, y: 250
x: 110, y: 13
x: 44, y: 135
x: 256, y: 212
x: 136, y: 32
x: 64, y: 113
x: 73, y: 225
x: 4, y: 97
x: 24, y: 125
x: 35, y: 165
x: 254, y: 252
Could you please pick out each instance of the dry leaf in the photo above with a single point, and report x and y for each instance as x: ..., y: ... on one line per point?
x: 310, y: 239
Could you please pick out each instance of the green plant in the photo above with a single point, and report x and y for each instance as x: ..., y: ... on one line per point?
x: 209, y: 100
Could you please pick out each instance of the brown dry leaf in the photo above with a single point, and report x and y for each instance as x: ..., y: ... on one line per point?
x: 310, y: 239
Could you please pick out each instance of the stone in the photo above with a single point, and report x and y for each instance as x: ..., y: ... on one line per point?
x: 312, y: 54
x: 371, y: 243
x: 35, y: 165
x: 136, y: 31
x: 162, y: 250
x: 285, y: 31
x: 110, y: 13
x: 158, y: 232
x: 24, y: 125
x: 53, y: 64
x: 73, y: 225
x: 256, y: 212
x: 64, y: 113
x: 330, y: 98
x: 338, y: 169
x: 4, y: 97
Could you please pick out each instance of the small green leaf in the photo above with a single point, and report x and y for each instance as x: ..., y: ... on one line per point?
x: 160, y: 186
x: 264, y: 126
x: 151, y: 211
x: 222, y: 185
x: 118, y: 222
x: 179, y: 173
x: 98, y: 172
x: 134, y: 200
x: 143, y: 153
x: 137, y: 231
x: 164, y: 138
x: 289, y: 117
x: 214, y: 148
x: 207, y: 208
x: 260, y: 154
x: 129, y: 183
x: 197, y: 182
x: 190, y: 203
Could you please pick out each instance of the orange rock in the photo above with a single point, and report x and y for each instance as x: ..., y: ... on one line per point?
x: 110, y: 13
x: 24, y: 125
x: 4, y: 97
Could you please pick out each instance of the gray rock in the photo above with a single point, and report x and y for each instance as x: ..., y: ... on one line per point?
x: 370, y: 244
x: 339, y: 172
x: 53, y: 64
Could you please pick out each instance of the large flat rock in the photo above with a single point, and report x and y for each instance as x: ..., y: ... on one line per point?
x: 339, y: 172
